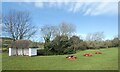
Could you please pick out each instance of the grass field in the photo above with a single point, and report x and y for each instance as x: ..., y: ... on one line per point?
x: 106, y: 61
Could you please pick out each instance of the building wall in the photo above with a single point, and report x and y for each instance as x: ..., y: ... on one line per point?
x: 19, y: 51
x: 12, y: 51
x: 32, y: 51
x: 26, y: 51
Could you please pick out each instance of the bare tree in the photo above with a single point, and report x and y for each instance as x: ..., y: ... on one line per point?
x: 48, y: 32
x: 97, y: 36
x: 18, y: 25
x: 95, y: 40
x: 89, y: 36
x: 66, y: 28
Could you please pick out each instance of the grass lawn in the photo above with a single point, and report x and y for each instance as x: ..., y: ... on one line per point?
x: 106, y: 61
x: 0, y: 60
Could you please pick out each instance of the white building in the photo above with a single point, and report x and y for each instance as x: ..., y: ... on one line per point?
x: 22, y: 47
x: 23, y: 52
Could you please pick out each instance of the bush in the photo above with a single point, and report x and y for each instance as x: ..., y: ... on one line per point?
x: 6, y: 43
x: 41, y: 52
x: 63, y: 45
x: 69, y: 50
x: 4, y: 49
x: 82, y: 45
x: 59, y: 44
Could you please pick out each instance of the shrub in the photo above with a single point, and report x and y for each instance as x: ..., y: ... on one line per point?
x: 63, y: 45
x: 41, y: 52
x: 69, y: 50
x: 82, y: 45
x: 59, y: 44
x: 5, y: 43
x: 4, y: 49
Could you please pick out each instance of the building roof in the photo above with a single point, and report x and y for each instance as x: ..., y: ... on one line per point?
x: 22, y: 44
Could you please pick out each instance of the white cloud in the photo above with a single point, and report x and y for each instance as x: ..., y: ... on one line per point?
x: 55, y: 4
x: 60, y: 0
x: 77, y: 7
x: 0, y: 26
x: 0, y: 29
x: 81, y: 36
x: 39, y: 4
x: 104, y: 8
x: 86, y: 7
x: 94, y: 8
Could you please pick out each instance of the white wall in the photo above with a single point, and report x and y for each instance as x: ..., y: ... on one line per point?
x: 32, y: 51
x: 27, y: 51
x: 19, y: 51
x: 9, y: 51
x: 12, y: 51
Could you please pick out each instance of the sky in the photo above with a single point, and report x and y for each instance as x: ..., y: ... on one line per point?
x: 88, y: 17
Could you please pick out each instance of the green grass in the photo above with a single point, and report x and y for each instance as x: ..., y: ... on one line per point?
x: 0, y: 59
x: 106, y: 61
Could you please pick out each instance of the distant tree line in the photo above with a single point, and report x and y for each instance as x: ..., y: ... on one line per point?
x: 61, y: 40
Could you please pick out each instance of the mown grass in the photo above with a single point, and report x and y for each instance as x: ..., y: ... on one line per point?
x: 0, y: 63
x: 106, y: 61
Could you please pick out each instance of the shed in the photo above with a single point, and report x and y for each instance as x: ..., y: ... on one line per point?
x: 23, y: 48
